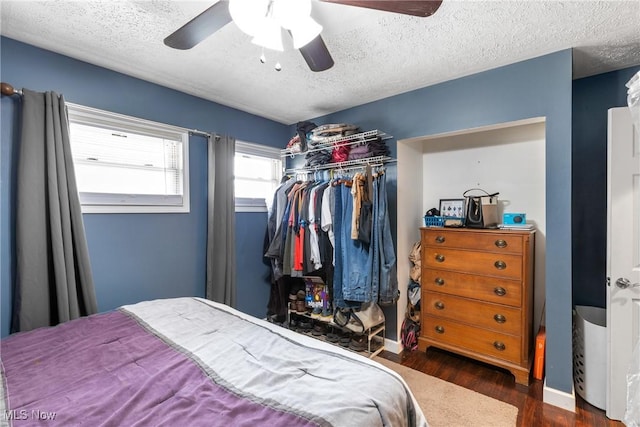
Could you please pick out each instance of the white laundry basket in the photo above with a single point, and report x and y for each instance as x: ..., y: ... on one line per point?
x: 590, y: 354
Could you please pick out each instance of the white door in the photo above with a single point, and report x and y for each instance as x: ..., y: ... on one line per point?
x: 623, y: 255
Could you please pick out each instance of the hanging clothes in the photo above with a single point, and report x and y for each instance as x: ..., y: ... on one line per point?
x: 387, y: 273
x: 338, y: 229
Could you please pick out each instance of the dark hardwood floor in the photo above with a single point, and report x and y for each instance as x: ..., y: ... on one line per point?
x: 500, y: 384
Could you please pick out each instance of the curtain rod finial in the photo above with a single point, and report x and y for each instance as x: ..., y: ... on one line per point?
x: 7, y: 89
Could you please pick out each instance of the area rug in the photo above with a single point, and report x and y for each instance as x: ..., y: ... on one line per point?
x: 449, y: 405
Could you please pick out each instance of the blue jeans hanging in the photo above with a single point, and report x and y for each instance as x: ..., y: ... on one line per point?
x: 388, y: 275
x: 356, y: 269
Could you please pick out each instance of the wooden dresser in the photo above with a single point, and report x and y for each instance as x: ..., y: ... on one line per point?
x: 477, y: 295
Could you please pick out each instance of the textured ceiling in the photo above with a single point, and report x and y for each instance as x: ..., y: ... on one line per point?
x: 377, y: 54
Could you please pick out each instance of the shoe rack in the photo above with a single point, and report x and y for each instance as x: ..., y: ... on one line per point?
x: 368, y: 344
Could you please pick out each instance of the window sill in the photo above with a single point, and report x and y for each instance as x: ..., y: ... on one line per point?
x: 246, y: 204
x: 251, y: 208
x: 121, y: 209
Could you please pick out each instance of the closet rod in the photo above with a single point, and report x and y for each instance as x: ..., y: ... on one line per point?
x: 373, y: 165
x: 9, y: 90
x: 346, y: 165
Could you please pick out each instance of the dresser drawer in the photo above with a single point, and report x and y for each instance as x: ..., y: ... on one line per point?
x: 500, y: 265
x: 484, y: 241
x: 483, y: 341
x: 499, y: 318
x: 486, y: 288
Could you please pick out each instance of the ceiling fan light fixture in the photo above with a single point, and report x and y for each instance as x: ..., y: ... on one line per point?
x: 269, y: 35
x: 289, y: 13
x: 306, y: 31
x: 249, y: 15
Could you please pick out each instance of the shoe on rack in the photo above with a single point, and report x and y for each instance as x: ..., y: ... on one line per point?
x: 333, y: 337
x: 358, y: 342
x: 319, y: 329
x: 293, y: 324
x: 345, y: 339
x: 300, y: 306
x: 306, y: 325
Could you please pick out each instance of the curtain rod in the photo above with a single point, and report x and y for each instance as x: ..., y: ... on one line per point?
x: 9, y: 90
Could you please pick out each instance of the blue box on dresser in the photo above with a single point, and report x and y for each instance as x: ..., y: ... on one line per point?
x: 514, y: 218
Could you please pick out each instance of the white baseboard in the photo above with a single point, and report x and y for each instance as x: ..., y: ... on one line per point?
x: 559, y: 398
x: 392, y: 346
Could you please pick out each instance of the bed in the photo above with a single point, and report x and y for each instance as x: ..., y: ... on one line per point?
x: 192, y: 362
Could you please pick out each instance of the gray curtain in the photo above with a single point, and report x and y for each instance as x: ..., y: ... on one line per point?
x: 221, y: 248
x: 53, y: 275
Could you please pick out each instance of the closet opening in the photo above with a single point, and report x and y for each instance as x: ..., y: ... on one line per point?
x: 508, y: 158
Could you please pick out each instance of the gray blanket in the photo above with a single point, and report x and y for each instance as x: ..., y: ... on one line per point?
x: 189, y: 361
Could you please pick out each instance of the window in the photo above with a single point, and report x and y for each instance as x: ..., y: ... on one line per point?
x: 128, y: 165
x: 258, y: 170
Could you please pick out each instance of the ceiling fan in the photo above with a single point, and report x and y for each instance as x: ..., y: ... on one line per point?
x: 269, y: 19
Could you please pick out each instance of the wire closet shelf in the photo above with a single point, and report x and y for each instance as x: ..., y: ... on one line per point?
x: 350, y: 140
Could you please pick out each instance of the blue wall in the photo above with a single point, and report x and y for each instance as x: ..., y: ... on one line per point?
x: 592, y: 97
x: 254, y: 271
x: 136, y: 257
x: 539, y: 87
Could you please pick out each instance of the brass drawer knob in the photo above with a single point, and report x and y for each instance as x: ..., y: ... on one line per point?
x: 439, y: 257
x: 499, y: 345
x: 439, y: 281
x: 439, y: 329
x: 501, y: 243
x: 499, y: 318
x: 440, y: 239
x: 439, y: 305
x: 500, y: 291
x: 500, y: 265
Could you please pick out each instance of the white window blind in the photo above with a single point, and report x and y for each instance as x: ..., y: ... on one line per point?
x: 258, y: 170
x: 124, y: 164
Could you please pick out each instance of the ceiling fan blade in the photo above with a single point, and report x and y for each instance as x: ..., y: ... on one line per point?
x: 422, y: 8
x: 317, y: 55
x: 200, y: 27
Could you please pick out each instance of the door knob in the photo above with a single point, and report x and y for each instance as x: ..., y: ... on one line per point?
x: 624, y: 283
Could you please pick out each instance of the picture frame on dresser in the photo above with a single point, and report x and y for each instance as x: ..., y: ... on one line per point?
x: 452, y: 208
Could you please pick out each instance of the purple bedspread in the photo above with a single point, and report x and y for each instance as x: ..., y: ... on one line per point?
x: 107, y: 370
